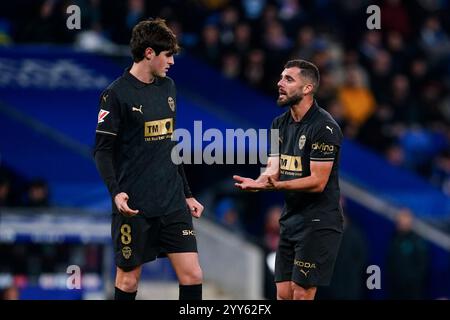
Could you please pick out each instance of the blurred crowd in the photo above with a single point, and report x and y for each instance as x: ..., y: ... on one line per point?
x: 17, y: 192
x: 388, y: 88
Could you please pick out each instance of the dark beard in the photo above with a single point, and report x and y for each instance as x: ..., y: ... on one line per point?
x: 289, y: 102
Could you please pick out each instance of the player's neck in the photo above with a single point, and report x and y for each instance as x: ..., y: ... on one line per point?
x: 299, y: 110
x: 141, y: 71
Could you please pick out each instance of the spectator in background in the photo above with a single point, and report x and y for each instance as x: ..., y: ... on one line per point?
x: 418, y: 72
x: 395, y: 17
x: 404, y: 107
x: 306, y: 43
x: 229, y: 19
x: 242, y: 39
x: 135, y: 13
x: 381, y: 69
x: 348, y: 282
x: 271, y: 238
x: 5, y: 32
x: 210, y: 47
x: 378, y: 132
x: 356, y: 98
x: 272, y: 228
x: 370, y: 46
x: 5, y: 189
x: 9, y: 293
x: 441, y: 172
x: 254, y: 72
x: 93, y: 36
x: 47, y: 24
x: 253, y: 8
x: 328, y: 90
x: 231, y: 65
x: 407, y: 260
x: 434, y: 40
x: 399, y: 51
x: 395, y: 155
x: 38, y: 194
x: 228, y: 216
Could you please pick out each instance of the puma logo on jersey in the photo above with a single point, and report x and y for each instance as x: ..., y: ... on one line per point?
x: 138, y: 110
x: 304, y: 272
x: 331, y: 129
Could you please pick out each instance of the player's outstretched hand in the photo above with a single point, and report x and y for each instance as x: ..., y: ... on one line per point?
x: 121, y: 200
x: 195, y: 207
x: 247, y: 184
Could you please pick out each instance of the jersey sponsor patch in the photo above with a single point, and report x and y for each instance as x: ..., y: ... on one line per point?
x: 102, y: 115
x: 158, y: 129
x: 291, y: 163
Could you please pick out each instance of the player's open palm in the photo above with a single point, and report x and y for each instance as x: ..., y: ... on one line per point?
x: 121, y: 201
x: 246, y: 184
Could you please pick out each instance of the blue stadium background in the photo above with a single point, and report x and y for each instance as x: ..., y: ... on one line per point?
x: 50, y: 82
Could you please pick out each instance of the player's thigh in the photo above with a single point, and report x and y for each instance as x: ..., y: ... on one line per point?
x: 284, y: 290
x: 177, y: 234
x: 284, y: 260
x: 315, y: 257
x: 134, y: 240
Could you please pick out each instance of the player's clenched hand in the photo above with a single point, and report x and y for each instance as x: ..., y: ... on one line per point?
x: 272, y: 183
x: 195, y: 207
x: 121, y: 201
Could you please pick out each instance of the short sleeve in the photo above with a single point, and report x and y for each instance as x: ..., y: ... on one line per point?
x: 109, y: 114
x: 326, y: 142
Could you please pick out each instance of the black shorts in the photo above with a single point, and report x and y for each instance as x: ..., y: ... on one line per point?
x: 138, y: 239
x: 308, y: 256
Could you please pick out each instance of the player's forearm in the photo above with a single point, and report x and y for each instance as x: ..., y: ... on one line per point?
x: 105, y: 167
x: 307, y: 184
x: 187, y: 189
x: 103, y: 156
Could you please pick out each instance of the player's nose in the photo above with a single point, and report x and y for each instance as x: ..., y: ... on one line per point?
x: 280, y: 83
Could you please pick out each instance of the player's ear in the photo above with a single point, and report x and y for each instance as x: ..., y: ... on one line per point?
x: 149, y: 53
x: 307, y: 89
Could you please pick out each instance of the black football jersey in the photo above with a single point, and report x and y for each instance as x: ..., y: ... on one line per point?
x: 316, y: 137
x: 142, y: 118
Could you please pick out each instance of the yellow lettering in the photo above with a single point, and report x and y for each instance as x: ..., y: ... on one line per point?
x: 158, y: 128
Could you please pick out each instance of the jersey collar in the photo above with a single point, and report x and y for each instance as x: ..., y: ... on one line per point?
x: 135, y: 81
x: 308, y: 115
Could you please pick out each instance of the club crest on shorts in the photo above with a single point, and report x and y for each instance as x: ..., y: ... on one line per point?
x: 126, y: 252
x: 171, y: 103
x: 302, y: 141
